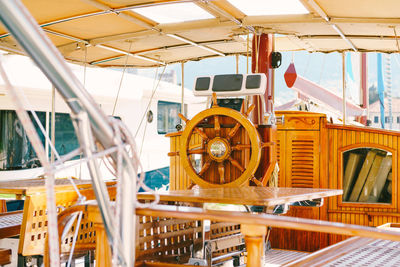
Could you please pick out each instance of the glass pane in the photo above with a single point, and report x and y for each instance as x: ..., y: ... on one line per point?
x: 16, y: 152
x: 257, y: 7
x: 177, y: 12
x: 167, y: 116
x: 367, y: 176
x: 66, y: 140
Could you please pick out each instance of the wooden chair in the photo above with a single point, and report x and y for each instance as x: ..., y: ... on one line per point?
x: 169, y: 240
x: 34, y: 225
x: 10, y: 225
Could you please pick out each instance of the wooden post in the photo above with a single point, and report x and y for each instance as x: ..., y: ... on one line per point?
x: 254, y: 236
x: 103, y: 252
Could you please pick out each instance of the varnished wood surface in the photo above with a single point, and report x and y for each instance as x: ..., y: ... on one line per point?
x: 341, y: 139
x: 27, y: 187
x: 340, y: 254
x: 265, y: 219
x: 248, y: 195
x: 5, y: 256
x: 10, y: 223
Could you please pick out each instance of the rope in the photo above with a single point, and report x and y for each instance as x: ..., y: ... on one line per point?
x: 151, y: 98
x: 122, y: 78
x: 322, y: 69
x: 397, y: 40
x: 49, y: 181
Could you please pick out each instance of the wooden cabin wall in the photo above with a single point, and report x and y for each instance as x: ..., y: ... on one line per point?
x: 302, y: 158
x: 178, y: 179
x: 341, y: 138
x: 309, y: 154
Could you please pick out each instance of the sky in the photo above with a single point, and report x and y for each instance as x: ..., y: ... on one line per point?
x: 322, y: 68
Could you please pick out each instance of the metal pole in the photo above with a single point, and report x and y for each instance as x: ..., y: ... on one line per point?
x: 344, y: 86
x: 53, y: 122
x: 183, y: 89
x: 33, y: 40
x: 237, y: 64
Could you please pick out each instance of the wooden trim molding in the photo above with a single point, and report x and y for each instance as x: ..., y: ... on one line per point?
x: 340, y: 167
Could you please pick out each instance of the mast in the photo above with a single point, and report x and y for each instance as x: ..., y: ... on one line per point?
x: 262, y: 48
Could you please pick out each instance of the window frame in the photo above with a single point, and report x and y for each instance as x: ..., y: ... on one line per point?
x: 340, y: 171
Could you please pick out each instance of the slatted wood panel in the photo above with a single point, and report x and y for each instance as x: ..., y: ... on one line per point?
x: 167, y: 239
x: 178, y: 178
x: 298, y: 153
x: 34, y: 223
x: 302, y: 158
x: 223, y: 229
x: 339, y: 139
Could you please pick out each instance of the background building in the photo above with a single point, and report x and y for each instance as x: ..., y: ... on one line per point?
x: 375, y: 114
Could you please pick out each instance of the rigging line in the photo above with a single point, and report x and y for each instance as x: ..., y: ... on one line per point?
x: 84, y: 85
x: 74, y: 238
x: 322, y: 69
x: 151, y: 98
x: 141, y: 120
x: 41, y: 128
x: 247, y: 53
x: 397, y: 40
x: 122, y: 78
x: 397, y: 60
x: 49, y: 181
x: 307, y: 64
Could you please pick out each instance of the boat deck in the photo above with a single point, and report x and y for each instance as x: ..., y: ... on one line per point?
x: 280, y: 257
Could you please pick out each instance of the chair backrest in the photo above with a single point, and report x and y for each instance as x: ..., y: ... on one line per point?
x: 34, y: 224
x: 168, y: 239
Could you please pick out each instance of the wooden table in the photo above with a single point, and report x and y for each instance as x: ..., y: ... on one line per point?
x: 261, y: 196
x: 31, y: 186
x: 251, y: 195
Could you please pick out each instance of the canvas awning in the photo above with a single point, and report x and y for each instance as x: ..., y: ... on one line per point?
x: 102, y: 32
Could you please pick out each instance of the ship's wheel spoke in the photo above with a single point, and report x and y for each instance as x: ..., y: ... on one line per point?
x: 202, y: 133
x: 221, y: 171
x: 236, y: 164
x: 196, y: 151
x: 217, y: 126
x: 205, y: 167
x: 233, y: 131
x: 241, y: 147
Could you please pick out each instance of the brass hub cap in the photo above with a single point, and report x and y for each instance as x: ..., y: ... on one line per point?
x: 219, y: 149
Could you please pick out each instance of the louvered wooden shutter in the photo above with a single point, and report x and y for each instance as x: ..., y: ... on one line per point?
x: 302, y: 159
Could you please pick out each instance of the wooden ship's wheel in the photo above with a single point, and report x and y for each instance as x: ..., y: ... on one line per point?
x: 227, y: 135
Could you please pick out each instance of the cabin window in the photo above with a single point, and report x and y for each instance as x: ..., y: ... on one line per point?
x: 367, y: 176
x: 16, y: 151
x: 167, y: 116
x: 376, y: 119
x: 66, y: 140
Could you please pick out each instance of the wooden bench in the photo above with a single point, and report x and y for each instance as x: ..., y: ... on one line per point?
x: 10, y: 223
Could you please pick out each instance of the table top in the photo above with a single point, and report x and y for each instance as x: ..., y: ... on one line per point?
x: 30, y: 186
x: 248, y: 195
